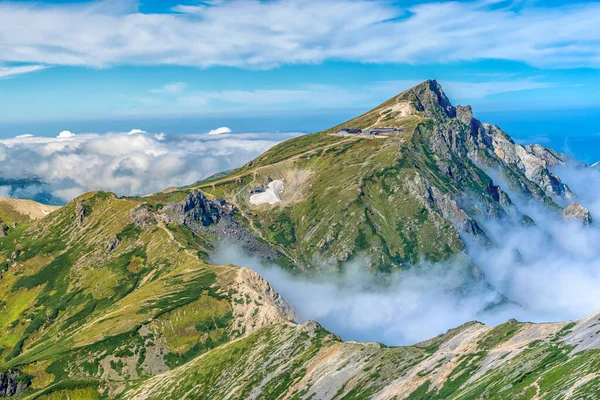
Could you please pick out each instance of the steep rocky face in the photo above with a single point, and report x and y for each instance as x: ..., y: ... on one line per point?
x: 197, y: 209
x: 429, y: 99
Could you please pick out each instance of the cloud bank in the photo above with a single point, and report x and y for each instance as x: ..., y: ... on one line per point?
x: 550, y: 272
x: 127, y: 163
x: 272, y: 33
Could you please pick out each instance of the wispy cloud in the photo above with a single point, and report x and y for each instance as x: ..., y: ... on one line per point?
x: 260, y: 34
x: 6, y: 72
x: 171, y: 88
x: 311, y: 96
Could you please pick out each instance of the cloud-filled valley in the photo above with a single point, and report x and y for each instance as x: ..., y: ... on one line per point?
x: 127, y: 163
x: 542, y: 273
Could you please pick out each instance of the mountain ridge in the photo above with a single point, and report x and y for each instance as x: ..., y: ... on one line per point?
x: 117, y: 297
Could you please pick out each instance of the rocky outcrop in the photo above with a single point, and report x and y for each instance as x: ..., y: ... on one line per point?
x: 197, y: 209
x: 80, y: 213
x: 257, y: 304
x: 3, y: 229
x: 577, y: 212
x: 485, y: 144
x: 12, y: 384
x: 216, y: 217
x: 113, y: 244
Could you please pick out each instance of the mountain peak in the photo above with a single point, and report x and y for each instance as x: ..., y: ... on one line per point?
x: 429, y: 98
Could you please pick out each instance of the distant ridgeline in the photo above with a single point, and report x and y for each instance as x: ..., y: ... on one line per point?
x: 30, y: 188
x: 110, y: 297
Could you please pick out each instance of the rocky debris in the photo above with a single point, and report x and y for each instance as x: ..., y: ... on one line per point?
x: 583, y: 333
x: 11, y: 385
x: 142, y: 217
x: 257, y: 304
x: 80, y: 213
x: 216, y: 217
x: 578, y: 212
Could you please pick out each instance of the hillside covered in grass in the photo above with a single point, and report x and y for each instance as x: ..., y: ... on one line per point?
x: 100, y: 294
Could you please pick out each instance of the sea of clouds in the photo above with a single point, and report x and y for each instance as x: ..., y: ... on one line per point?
x: 126, y: 163
x: 548, y: 272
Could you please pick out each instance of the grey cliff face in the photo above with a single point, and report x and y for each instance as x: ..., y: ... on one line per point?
x: 11, y: 385
x: 457, y: 133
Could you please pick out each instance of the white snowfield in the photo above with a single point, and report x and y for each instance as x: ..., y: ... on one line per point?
x: 270, y: 196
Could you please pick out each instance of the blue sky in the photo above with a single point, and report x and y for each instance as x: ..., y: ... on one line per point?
x: 298, y: 64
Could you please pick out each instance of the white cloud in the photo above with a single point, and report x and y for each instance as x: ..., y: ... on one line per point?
x: 279, y: 32
x: 220, y: 131
x: 65, y: 135
x: 136, y: 131
x: 126, y: 164
x: 6, y: 72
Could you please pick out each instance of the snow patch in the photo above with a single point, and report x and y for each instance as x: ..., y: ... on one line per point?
x: 270, y: 196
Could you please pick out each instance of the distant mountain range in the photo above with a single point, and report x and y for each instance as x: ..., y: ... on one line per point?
x: 110, y: 297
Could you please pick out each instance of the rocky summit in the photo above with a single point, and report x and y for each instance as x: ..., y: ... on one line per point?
x: 117, y: 297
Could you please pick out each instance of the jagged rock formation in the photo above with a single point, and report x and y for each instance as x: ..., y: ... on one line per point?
x: 204, y: 216
x: 578, y: 212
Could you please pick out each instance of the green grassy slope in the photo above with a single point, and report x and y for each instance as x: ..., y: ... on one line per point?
x: 92, y: 299
x: 286, y: 361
